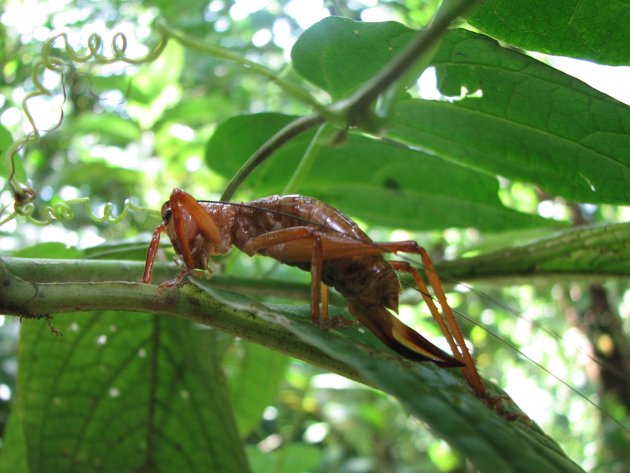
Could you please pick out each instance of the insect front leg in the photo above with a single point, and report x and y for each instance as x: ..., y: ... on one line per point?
x: 151, y: 252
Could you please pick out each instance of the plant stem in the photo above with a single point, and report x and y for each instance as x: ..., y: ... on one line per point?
x: 290, y: 131
x: 307, y: 161
x: 223, y: 53
x: 85, y: 271
x: 27, y: 296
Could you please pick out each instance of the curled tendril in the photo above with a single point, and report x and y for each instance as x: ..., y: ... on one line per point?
x: 23, y: 195
x: 64, y: 211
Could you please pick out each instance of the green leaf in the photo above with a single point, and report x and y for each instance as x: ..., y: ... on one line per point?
x: 598, y: 30
x: 121, y: 83
x: 158, y: 84
x: 13, y: 457
x: 199, y: 111
x: 130, y: 249
x: 435, y: 395
x: 380, y: 182
x: 255, y: 385
x: 531, y: 122
x: 123, y: 392
x: 290, y: 458
x: 120, y: 181
x: 339, y: 54
x: 152, y: 78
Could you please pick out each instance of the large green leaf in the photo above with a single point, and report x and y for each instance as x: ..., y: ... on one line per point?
x: 381, y: 182
x: 123, y: 392
x: 437, y: 396
x: 255, y: 384
x: 13, y: 456
x: 521, y: 118
x: 598, y: 30
x: 531, y: 122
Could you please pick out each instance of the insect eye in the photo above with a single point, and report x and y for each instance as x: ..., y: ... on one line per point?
x: 166, y: 217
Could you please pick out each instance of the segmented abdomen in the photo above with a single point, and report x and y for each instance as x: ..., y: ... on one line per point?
x: 366, y: 278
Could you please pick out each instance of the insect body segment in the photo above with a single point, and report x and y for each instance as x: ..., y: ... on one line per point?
x: 315, y: 237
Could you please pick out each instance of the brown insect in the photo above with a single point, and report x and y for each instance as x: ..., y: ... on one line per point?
x: 315, y: 237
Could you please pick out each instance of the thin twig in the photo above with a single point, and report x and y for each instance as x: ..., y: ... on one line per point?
x: 226, y: 54
x: 290, y: 131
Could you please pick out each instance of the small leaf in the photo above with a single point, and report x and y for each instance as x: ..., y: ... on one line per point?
x: 596, y: 30
x: 120, y: 181
x: 110, y: 127
x: 130, y: 249
x: 339, y: 54
x: 152, y: 78
x: 54, y: 250
x: 199, y: 111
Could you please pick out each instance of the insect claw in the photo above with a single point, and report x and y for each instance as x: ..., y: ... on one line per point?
x: 177, y: 282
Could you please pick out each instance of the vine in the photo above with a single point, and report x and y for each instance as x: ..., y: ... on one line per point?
x: 23, y: 195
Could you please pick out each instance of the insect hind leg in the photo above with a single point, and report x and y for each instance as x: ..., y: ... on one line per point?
x: 444, y: 318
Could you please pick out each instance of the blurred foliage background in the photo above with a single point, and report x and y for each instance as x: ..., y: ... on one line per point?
x: 124, y: 131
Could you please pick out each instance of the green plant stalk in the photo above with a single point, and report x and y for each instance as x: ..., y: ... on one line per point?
x: 26, y: 296
x: 223, y: 53
x: 290, y: 131
x: 38, y: 270
x: 307, y: 161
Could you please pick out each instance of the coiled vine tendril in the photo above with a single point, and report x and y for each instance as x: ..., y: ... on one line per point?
x: 63, y: 211
x: 23, y: 196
